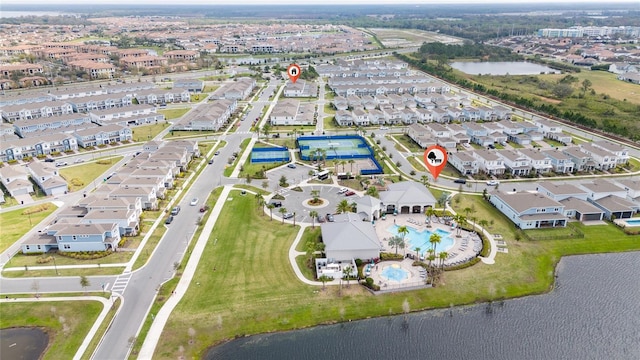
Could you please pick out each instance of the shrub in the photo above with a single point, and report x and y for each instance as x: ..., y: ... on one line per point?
x: 44, y: 260
x: 76, y: 182
x: 390, y: 256
x: 358, y: 262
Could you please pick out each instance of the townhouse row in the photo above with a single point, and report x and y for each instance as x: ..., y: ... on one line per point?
x: 554, y: 204
x: 99, y: 220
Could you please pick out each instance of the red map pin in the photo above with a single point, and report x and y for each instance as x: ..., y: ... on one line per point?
x: 435, y: 157
x: 294, y: 72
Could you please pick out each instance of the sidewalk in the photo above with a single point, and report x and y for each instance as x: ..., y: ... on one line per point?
x: 153, y: 336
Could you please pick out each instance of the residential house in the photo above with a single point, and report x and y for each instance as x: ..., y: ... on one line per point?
x: 147, y: 195
x: 127, y: 221
x: 560, y: 162
x: 344, y: 118
x: 238, y: 90
x: 47, y: 178
x: 300, y: 88
x: 529, y: 210
x: 560, y: 191
x: 540, y: 162
x: 107, y: 134
x: 621, y: 153
x: 581, y: 210
x: 489, y: 162
x: 515, y: 163
x: 190, y: 85
x: 208, y: 116
x: 615, y: 207
x: 604, y: 159
x: 632, y: 187
x: 160, y: 96
x: 599, y: 188
x: 15, y: 180
x: 464, y: 162
x: 581, y: 160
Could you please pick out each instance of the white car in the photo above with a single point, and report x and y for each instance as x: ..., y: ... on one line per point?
x: 343, y: 190
x: 493, y: 182
x: 194, y: 202
x: 384, y: 128
x: 79, y: 161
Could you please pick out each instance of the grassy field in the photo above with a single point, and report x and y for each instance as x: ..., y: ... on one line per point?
x: 410, y: 37
x: 612, y: 100
x: 67, y: 322
x: 79, y: 176
x: 170, y: 114
x: 408, y: 143
x: 148, y: 132
x: 16, y: 223
x: 252, y: 291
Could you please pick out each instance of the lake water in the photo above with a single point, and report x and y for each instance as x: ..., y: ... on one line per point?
x: 502, y: 68
x: 593, y: 313
x: 23, y: 343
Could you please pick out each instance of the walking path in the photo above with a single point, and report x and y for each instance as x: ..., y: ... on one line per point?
x: 243, y: 158
x: 96, y: 325
x: 153, y: 336
x: 491, y: 259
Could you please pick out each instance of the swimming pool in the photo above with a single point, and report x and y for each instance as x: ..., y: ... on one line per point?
x: 632, y: 222
x: 394, y: 272
x: 420, y: 239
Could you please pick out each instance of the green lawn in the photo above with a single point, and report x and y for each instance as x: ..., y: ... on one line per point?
x: 245, y: 284
x: 148, y: 132
x: 554, y: 143
x: 79, y: 176
x: 196, y: 98
x: 170, y: 114
x: 229, y: 168
x: 408, y: 143
x: 16, y: 223
x: 417, y: 163
x: 66, y: 322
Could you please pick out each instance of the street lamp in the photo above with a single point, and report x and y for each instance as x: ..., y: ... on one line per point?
x: 55, y: 266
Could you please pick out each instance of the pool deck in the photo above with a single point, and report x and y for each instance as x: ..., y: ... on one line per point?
x: 464, y: 248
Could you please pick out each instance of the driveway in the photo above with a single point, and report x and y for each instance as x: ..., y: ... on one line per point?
x: 296, y: 201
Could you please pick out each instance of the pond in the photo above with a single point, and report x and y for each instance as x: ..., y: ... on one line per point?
x: 23, y: 343
x: 502, y: 68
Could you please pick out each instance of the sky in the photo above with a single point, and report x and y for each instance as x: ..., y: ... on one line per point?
x: 303, y: 2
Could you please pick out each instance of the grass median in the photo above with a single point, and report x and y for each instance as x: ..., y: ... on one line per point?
x: 80, y: 176
x: 244, y: 283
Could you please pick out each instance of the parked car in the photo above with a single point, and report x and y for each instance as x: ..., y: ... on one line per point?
x: 61, y: 163
x: 330, y: 218
x: 460, y: 181
x: 204, y: 208
x: 276, y: 203
x: 320, y: 219
x: 49, y: 160
x: 493, y: 182
x: 343, y: 190
x: 175, y: 210
x: 217, y: 153
x: 287, y: 215
x: 210, y: 161
x: 194, y: 202
x: 169, y: 220
x: 349, y: 193
x: 79, y: 160
x: 291, y: 166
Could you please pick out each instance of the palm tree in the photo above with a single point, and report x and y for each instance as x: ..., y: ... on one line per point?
x: 402, y: 230
x: 372, y: 191
x: 351, y: 162
x: 430, y: 212
x: 313, y: 215
x: 343, y: 163
x: 483, y: 223
x: 442, y: 256
x: 324, y: 279
x: 271, y: 207
x: 346, y: 272
x: 343, y: 207
x: 265, y: 184
x: 460, y: 221
x: 282, y: 211
x: 435, y: 239
x: 324, y: 157
x: 258, y: 197
x: 396, y: 241
x: 424, y: 179
x: 315, y: 194
x: 467, y: 210
x: 418, y: 252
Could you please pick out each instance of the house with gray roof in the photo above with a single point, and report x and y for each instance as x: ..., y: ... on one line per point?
x: 406, y: 197
x: 581, y: 210
x: 47, y: 178
x: 560, y: 191
x: 616, y: 207
x: 529, y: 210
x: 368, y: 207
x: 632, y: 187
x: 600, y: 188
x: 560, y: 162
x: 349, y: 238
x: 15, y: 180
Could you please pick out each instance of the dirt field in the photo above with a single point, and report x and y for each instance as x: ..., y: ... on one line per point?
x: 411, y: 37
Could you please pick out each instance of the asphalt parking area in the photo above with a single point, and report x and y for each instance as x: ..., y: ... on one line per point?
x: 295, y: 201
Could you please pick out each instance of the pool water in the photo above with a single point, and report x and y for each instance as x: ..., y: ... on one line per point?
x: 420, y: 239
x: 634, y: 222
x: 395, y: 273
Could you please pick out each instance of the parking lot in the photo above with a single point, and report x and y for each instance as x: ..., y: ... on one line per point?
x: 295, y: 201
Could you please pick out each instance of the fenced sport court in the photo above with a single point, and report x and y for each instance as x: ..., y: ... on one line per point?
x: 342, y: 147
x: 264, y: 155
